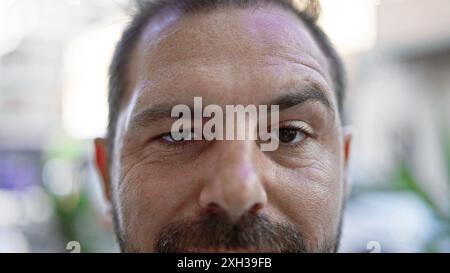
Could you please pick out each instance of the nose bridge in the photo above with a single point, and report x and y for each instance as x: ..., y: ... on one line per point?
x: 235, y: 184
x: 236, y: 152
x: 235, y: 166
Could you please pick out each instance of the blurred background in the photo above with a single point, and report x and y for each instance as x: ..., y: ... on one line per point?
x: 54, y: 56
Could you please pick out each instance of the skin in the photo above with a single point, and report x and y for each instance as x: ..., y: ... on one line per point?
x: 227, y: 56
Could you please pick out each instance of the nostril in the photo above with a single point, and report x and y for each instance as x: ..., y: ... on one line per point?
x: 255, y: 208
x: 213, y: 207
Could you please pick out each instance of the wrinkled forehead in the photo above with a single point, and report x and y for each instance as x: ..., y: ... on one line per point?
x: 174, y: 44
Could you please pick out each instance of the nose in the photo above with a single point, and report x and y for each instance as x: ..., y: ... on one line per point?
x: 235, y: 185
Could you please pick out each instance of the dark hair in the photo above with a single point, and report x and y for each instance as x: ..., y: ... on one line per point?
x: 307, y: 10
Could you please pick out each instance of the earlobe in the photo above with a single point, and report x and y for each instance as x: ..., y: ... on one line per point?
x: 101, y: 160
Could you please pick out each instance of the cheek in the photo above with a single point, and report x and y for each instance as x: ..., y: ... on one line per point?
x: 310, y: 196
x: 151, y: 196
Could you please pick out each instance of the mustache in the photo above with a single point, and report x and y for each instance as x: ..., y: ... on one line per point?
x: 216, y: 232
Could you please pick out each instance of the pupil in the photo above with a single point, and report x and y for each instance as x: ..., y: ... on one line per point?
x: 287, y: 135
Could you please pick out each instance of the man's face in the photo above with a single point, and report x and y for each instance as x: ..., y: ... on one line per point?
x: 227, y: 195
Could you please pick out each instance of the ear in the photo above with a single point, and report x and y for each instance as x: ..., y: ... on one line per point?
x: 101, y: 160
x: 348, y: 132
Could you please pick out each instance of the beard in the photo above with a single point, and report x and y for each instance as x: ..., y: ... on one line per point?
x: 215, y: 232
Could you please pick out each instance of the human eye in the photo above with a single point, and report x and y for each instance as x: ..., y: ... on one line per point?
x: 292, y: 133
x: 179, y: 137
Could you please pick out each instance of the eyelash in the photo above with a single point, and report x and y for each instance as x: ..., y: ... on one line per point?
x: 174, y: 144
x: 306, y: 130
x: 296, y: 147
x: 302, y: 128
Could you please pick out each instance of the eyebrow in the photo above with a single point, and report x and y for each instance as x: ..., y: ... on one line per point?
x: 153, y: 114
x: 295, y: 97
x: 300, y: 95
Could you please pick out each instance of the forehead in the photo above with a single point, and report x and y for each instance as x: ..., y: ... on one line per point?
x: 223, y: 52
